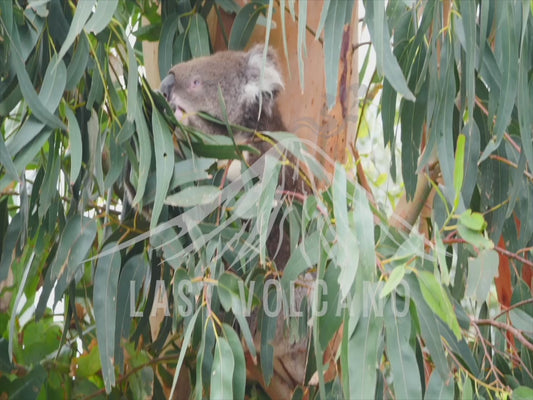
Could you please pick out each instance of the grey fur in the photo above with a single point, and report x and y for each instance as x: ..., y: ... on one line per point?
x: 192, y: 87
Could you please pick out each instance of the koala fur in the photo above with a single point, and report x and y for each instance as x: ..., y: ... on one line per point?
x: 192, y: 87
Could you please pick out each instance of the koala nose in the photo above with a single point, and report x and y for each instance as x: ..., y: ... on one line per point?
x: 167, y: 85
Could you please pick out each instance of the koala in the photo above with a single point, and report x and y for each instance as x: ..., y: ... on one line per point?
x: 192, y: 87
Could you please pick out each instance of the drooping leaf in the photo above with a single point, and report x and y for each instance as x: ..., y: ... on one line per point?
x: 386, y: 62
x: 83, y: 11
x: 363, y: 345
x: 76, y: 241
x: 222, y: 372
x: 105, y: 310
x: 103, y: 14
x: 199, y: 36
x: 194, y: 196
x: 244, y: 25
x: 164, y: 163
x: 76, y: 149
x: 338, y: 13
x: 481, y: 272
x: 406, y: 376
x: 438, y: 300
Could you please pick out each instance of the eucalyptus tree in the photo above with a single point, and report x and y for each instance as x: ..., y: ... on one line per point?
x: 108, y: 294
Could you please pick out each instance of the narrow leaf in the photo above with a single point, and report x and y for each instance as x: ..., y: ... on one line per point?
x: 75, y: 242
x: 438, y: 300
x: 103, y: 14
x: 406, y: 376
x: 386, y: 61
x: 244, y: 25
x: 199, y: 37
x: 193, y: 196
x: 183, y: 350
x: 83, y: 11
x: 222, y: 371
x: 333, y: 35
x: 105, y: 309
x: 239, y: 374
x: 76, y: 146
x: 164, y: 162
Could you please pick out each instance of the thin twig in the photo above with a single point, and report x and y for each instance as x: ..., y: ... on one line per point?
x: 504, y: 326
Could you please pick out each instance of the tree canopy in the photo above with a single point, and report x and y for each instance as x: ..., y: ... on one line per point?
x: 173, y: 292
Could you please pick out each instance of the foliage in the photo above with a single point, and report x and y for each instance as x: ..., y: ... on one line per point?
x: 417, y: 311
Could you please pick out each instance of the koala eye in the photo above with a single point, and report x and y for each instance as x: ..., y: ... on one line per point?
x: 195, y: 83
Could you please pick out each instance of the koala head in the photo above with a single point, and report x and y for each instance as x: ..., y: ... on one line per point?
x: 192, y: 87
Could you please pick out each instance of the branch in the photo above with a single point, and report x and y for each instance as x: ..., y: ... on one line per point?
x: 507, y: 327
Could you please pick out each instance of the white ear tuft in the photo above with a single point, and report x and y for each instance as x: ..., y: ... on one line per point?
x: 272, y: 81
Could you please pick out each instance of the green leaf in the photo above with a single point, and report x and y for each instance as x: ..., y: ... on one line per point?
x: 388, y: 112
x: 144, y: 152
x: 164, y: 162
x: 239, y: 373
x: 78, y: 63
x: 190, y: 170
x: 268, y: 334
x: 459, y: 170
x: 440, y: 252
x: 521, y: 320
x: 363, y: 346
x: 83, y: 11
x: 48, y: 187
x: 394, y: 280
x: 76, y: 145
x: 525, y: 99
x: 7, y: 161
x: 166, y: 44
x: 438, y: 300
x: 362, y: 217
x: 474, y: 237
x: 508, y: 42
x: 231, y: 297
x: 105, y: 309
x: 76, y: 240
x: 438, y: 388
x: 328, y: 322
x: 347, y: 243
x: 103, y: 14
x: 222, y: 371
x: 183, y: 350
x: 323, y: 16
x: 481, y: 273
x: 406, y: 376
x: 268, y: 184
x: 244, y: 25
x: 133, y: 272
x: 194, y: 196
x: 133, y: 104
x: 229, y: 6
x: 338, y: 13
x: 42, y: 105
x: 386, y: 62
x: 199, y: 37
x: 88, y: 364
x: 522, y: 392
x: 16, y: 304
x: 429, y: 328
x: 29, y: 386
x: 9, y: 245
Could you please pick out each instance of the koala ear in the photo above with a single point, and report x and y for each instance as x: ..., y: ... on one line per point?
x: 272, y: 81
